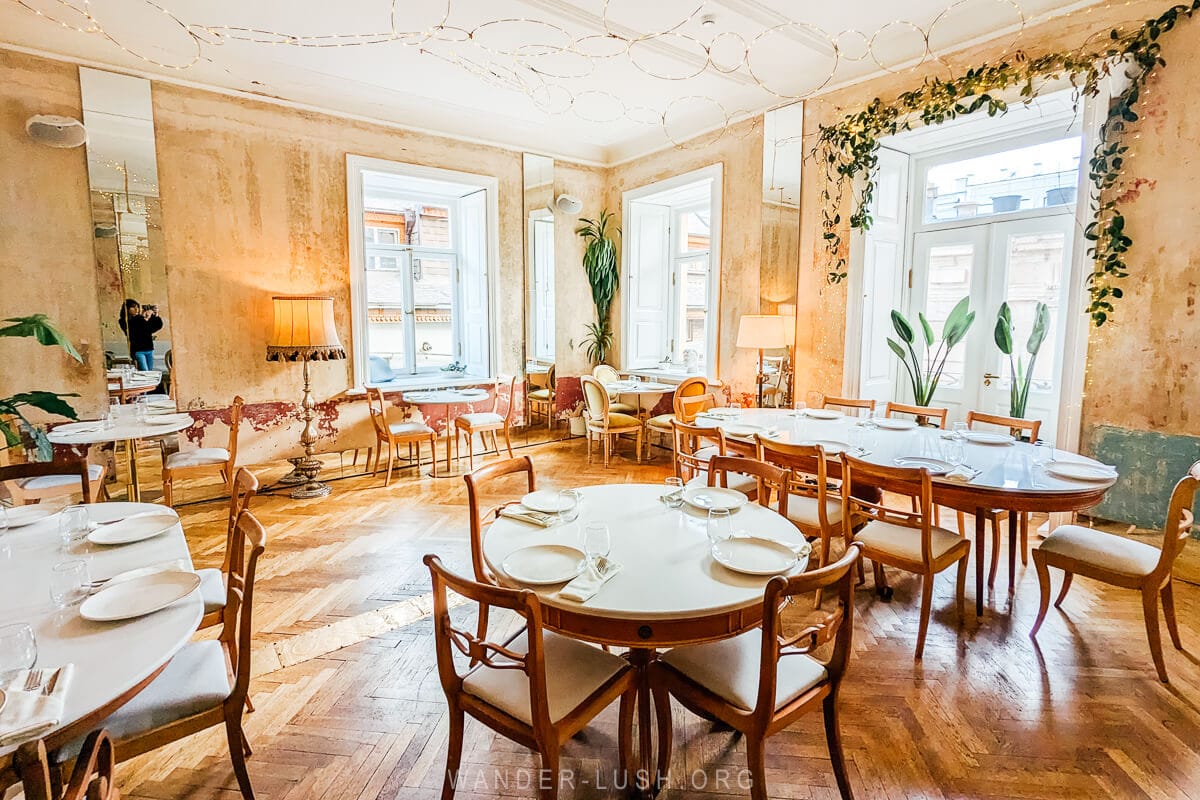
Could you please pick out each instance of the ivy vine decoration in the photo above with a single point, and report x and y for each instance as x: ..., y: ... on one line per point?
x: 849, y: 148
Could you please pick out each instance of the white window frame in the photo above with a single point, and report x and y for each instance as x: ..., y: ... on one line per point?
x: 537, y: 351
x: 355, y: 167
x: 714, y: 174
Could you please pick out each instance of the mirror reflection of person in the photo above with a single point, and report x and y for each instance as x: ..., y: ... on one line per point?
x: 140, y: 323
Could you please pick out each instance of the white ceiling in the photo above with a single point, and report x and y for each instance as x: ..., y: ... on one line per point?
x: 594, y: 80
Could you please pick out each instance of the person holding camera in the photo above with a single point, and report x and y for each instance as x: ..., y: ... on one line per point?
x: 140, y: 323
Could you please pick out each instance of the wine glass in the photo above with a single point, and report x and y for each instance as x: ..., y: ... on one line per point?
x: 597, y: 543
x: 720, y: 525
x: 18, y: 647
x: 69, y: 582
x: 73, y: 524
x: 674, y: 496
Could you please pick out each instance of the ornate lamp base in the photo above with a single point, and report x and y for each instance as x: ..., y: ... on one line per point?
x: 295, y: 476
x: 311, y: 488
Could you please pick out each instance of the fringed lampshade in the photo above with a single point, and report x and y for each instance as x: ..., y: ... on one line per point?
x: 304, y: 330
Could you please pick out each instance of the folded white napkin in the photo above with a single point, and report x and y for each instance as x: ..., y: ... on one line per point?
x: 585, y: 586
x: 30, y: 714
x: 961, y: 474
x: 523, y: 514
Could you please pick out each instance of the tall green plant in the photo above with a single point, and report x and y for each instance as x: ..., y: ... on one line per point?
x: 600, y: 264
x: 13, y: 421
x: 924, y: 373
x: 1021, y: 376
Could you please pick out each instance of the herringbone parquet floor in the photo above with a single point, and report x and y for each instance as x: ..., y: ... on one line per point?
x: 350, y: 708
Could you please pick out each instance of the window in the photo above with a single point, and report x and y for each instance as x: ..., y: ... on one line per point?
x: 541, y: 244
x: 420, y: 252
x: 673, y: 232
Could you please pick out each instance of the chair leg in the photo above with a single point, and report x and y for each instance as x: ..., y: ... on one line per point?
x: 1150, y: 612
x: 1024, y: 540
x: 471, y: 450
x: 639, y: 446
x: 1168, y: 603
x: 662, y: 708
x: 588, y: 435
x: 1043, y: 572
x: 387, y: 479
x: 962, y: 524
x: 926, y: 609
x: 432, y: 455
x: 168, y: 488
x: 756, y: 762
x: 453, y: 753
x: 548, y: 780
x: 1066, y: 585
x: 960, y: 588
x: 833, y: 737
x: 995, y: 523
x: 249, y: 704
x: 607, y: 448
x: 508, y: 442
x: 236, y: 738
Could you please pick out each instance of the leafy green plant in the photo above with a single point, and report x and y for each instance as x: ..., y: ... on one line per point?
x: 924, y: 373
x: 1021, y: 375
x: 13, y: 422
x: 600, y: 264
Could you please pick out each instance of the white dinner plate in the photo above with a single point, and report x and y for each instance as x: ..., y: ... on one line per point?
x: 544, y: 564
x: 135, y: 528
x: 1080, y: 471
x: 979, y: 437
x: 741, y: 429
x: 754, y: 555
x: 89, y: 426
x: 831, y: 447
x: 167, y: 419
x: 896, y: 424
x: 546, y: 500
x: 935, y: 465
x: 824, y: 413
x: 138, y: 597
x: 707, y: 498
x: 20, y: 516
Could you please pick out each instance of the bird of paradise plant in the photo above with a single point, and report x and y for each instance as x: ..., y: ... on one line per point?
x: 13, y: 422
x: 600, y: 264
x: 1021, y: 375
x: 925, y: 373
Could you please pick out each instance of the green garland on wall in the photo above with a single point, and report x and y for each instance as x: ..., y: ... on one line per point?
x: 849, y: 149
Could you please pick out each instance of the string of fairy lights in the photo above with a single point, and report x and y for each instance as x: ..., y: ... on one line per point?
x: 543, y: 60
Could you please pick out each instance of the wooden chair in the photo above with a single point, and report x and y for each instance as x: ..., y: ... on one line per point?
x: 541, y: 401
x: 996, y: 516
x: 604, y: 423
x: 92, y: 778
x: 693, y: 447
x: 905, y: 540
x: 537, y: 688
x: 389, y: 436
x: 606, y: 375
x: 36, y: 481
x: 1123, y: 562
x: 214, y: 582
x: 206, y: 459
x: 206, y: 682
x: 773, y: 388
x: 484, y: 422
x: 924, y: 414
x: 850, y: 403
x: 812, y: 507
x: 760, y: 682
x: 767, y: 478
x: 687, y: 388
x: 688, y: 408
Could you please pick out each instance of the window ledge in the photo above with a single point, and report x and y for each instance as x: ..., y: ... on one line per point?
x: 670, y: 376
x: 419, y: 382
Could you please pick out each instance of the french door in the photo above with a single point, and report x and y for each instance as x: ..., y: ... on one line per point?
x: 1022, y: 261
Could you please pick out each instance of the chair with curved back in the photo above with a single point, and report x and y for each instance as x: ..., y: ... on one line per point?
x: 484, y: 422
x: 609, y: 375
x: 688, y: 408
x: 773, y: 389
x: 687, y: 388
x: 93, y: 776
x: 694, y: 446
x: 767, y: 478
x: 605, y: 424
x: 214, y: 581
x: 1126, y: 563
x: 36, y: 481
x: 924, y: 414
x: 763, y: 680
x: 853, y: 404
x: 390, y: 435
x: 221, y: 460
x: 541, y: 401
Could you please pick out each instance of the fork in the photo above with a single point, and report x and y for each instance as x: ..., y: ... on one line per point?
x: 33, y: 680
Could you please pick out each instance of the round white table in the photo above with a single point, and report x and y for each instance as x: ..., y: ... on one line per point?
x: 1007, y: 476
x: 641, y: 389
x: 125, y: 429
x: 139, y: 382
x: 115, y: 660
x: 448, y: 398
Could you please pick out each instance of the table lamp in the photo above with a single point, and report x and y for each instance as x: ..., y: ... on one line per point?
x: 761, y: 332
x: 304, y: 331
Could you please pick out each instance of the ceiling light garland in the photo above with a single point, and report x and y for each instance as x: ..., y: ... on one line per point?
x: 849, y: 149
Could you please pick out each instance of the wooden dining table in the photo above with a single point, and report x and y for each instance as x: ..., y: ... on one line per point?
x: 1006, y: 476
x: 113, y: 660
x: 669, y: 590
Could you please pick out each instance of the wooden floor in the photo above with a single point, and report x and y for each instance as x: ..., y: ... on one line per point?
x: 349, y: 705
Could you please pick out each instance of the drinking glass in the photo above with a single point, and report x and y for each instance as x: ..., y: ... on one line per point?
x: 861, y: 439
x: 799, y: 407
x: 597, y: 543
x: 73, y: 525
x: 674, y: 496
x: 18, y: 647
x: 735, y: 405
x: 720, y: 525
x: 139, y: 409
x: 1043, y: 452
x: 960, y: 428
x: 568, y: 505
x: 69, y: 582
x: 955, y: 451
x: 110, y: 419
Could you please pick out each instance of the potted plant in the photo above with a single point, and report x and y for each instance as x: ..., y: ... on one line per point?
x: 600, y: 264
x: 925, y: 372
x: 16, y: 428
x: 1021, y: 374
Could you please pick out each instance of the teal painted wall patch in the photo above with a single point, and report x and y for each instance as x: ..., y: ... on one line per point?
x: 1149, y: 464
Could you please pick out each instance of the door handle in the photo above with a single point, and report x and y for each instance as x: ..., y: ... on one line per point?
x: 988, y: 377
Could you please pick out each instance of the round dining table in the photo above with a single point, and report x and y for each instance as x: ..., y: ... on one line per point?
x: 640, y: 390
x: 125, y: 428
x: 448, y: 398
x: 1005, y: 476
x: 113, y: 661
x: 139, y: 382
x: 669, y: 590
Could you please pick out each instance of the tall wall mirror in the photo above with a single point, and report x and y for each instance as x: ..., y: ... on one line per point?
x: 127, y: 227
x: 783, y: 155
x: 539, y: 285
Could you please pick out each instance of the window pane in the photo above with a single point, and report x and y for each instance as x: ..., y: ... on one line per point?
x: 695, y: 231
x: 1040, y: 176
x: 949, y: 281
x: 432, y: 293
x: 433, y: 226
x: 1034, y: 268
x: 385, y: 316
x: 693, y: 274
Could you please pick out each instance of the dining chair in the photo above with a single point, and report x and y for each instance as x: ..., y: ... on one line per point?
x: 924, y: 414
x: 1126, y: 563
x: 905, y: 540
x: 773, y: 388
x: 687, y: 388
x: 850, y: 403
x: 763, y: 680
x: 608, y: 375
x: 813, y: 506
x: 205, y: 684
x: 688, y: 408
x: 693, y: 446
x: 390, y: 435
x: 542, y: 400
x: 996, y: 516
x: 536, y: 688
x: 214, y: 581
x: 205, y: 459
x: 93, y: 776
x: 33, y: 482
x: 484, y: 422
x: 604, y: 423
x: 767, y: 478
